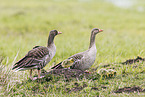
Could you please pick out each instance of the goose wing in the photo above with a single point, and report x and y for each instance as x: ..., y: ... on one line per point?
x: 32, y: 58
x: 77, y: 60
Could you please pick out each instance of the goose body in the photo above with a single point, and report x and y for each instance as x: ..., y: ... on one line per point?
x: 38, y: 57
x: 83, y: 60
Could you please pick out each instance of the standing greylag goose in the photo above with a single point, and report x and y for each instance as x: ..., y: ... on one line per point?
x: 38, y: 57
x: 83, y: 60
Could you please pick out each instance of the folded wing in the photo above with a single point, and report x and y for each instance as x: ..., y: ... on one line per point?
x: 77, y: 60
x: 34, y: 58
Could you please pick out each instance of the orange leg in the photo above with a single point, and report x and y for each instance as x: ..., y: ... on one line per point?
x: 39, y: 71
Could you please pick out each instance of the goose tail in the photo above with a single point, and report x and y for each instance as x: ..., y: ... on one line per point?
x: 58, y: 66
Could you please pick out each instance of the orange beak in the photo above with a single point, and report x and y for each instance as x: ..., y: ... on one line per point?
x: 100, y: 30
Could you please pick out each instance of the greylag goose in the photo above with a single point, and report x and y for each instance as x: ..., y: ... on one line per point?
x: 83, y: 60
x: 38, y: 57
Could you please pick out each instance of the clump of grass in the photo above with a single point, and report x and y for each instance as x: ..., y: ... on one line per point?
x: 8, y: 78
x: 5, y: 78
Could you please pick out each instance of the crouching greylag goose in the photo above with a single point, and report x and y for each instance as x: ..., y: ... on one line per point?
x: 83, y: 60
x: 38, y: 57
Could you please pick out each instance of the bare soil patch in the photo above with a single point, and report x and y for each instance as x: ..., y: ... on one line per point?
x: 130, y: 89
x: 69, y: 74
x: 131, y: 61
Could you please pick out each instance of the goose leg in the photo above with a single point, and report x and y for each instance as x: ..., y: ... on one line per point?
x: 39, y: 71
x: 30, y: 73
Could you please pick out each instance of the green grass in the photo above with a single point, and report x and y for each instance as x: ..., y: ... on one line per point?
x: 26, y: 23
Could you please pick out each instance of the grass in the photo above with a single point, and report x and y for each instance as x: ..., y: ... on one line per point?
x: 26, y: 23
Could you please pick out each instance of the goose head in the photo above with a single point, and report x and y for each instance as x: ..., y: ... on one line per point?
x: 54, y: 33
x: 93, y: 34
x: 96, y: 31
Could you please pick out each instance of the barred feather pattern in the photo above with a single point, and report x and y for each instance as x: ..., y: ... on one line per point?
x: 35, y: 58
x: 83, y: 60
x: 77, y: 61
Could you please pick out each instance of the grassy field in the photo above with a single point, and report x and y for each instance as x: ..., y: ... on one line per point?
x: 26, y: 23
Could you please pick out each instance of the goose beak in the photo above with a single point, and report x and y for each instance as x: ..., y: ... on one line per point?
x: 100, y: 30
x: 59, y: 33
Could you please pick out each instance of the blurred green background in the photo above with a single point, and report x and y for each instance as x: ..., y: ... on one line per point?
x: 26, y: 23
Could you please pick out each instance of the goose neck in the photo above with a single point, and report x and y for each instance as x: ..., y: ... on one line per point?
x: 50, y: 40
x: 92, y: 40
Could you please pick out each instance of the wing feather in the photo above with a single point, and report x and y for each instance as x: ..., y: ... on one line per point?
x: 33, y: 58
x: 77, y: 57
